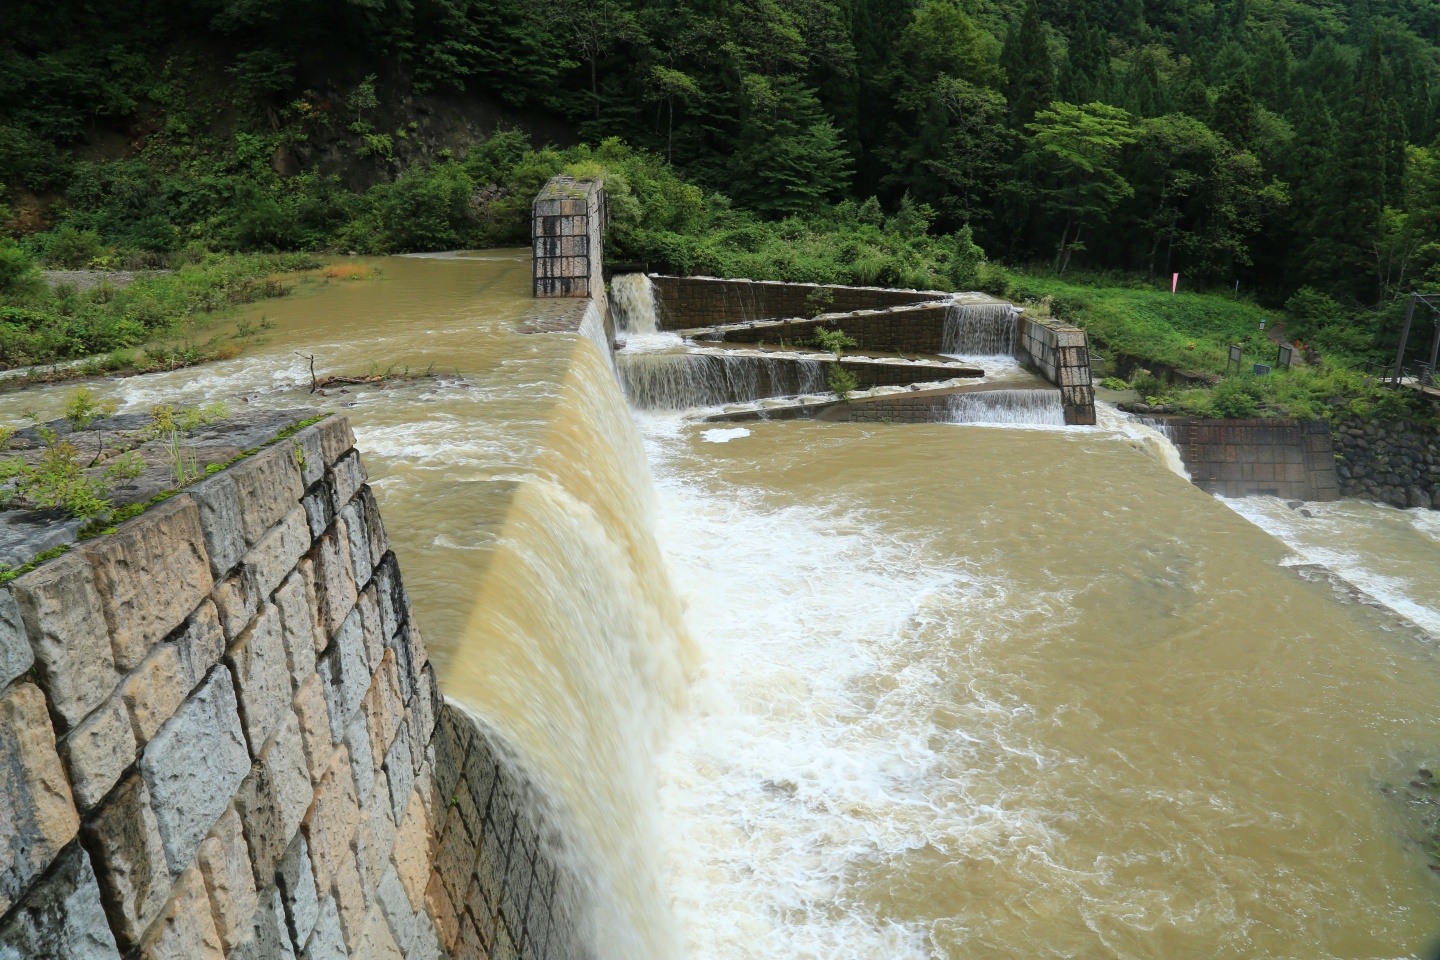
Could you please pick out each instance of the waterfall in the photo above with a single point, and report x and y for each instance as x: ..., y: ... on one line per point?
x: 979, y: 330
x: 1155, y: 437
x: 680, y: 381
x: 574, y: 647
x: 632, y: 300
x: 1041, y: 407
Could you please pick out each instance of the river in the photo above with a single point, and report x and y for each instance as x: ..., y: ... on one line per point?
x: 884, y: 691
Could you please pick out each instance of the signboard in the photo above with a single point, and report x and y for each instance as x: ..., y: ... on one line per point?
x: 1261, y: 368
x: 1237, y: 357
x: 1282, y: 357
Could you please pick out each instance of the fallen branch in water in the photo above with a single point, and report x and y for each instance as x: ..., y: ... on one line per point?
x: 380, y: 379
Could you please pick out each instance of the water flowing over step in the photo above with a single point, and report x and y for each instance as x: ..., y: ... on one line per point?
x: 1018, y: 407
x: 979, y: 330
x: 632, y: 301
x: 680, y: 381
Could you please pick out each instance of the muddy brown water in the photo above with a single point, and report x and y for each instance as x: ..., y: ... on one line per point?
x: 834, y: 690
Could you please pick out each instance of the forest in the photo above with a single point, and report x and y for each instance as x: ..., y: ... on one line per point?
x: 1280, y: 150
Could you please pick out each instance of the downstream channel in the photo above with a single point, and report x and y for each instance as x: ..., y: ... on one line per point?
x: 827, y: 690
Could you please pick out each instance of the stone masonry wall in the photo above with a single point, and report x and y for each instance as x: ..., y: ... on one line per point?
x: 218, y: 740
x: 216, y: 723
x: 1394, y: 461
x: 1062, y: 354
x: 1237, y: 458
x: 685, y: 302
x: 908, y: 329
x: 568, y: 228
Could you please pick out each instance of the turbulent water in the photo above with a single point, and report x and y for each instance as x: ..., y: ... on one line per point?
x: 632, y: 300
x: 880, y: 691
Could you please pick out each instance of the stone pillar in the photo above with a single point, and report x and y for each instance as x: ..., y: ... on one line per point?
x: 568, y: 226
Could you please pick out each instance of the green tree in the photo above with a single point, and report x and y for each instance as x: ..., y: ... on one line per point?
x: 1235, y: 116
x: 1029, y: 70
x: 1078, y: 146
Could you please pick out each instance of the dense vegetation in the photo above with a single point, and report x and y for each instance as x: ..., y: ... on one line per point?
x: 1284, y: 146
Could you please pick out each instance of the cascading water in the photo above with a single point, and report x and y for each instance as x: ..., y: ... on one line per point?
x: 1155, y: 438
x: 632, y: 302
x: 681, y: 381
x: 979, y: 330
x: 1037, y: 407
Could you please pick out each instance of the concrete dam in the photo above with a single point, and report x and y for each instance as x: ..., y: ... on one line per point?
x: 674, y: 642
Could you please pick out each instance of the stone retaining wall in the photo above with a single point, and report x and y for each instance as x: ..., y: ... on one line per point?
x: 1238, y: 458
x: 906, y: 329
x: 217, y: 741
x: 1062, y: 353
x: 709, y: 301
x: 1393, y: 461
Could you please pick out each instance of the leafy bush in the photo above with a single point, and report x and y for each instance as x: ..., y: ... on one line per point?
x: 17, y: 271
x: 70, y: 247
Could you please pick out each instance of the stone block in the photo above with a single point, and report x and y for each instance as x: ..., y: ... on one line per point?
x: 334, y: 579
x: 371, y: 627
x: 220, y: 522
x: 186, y: 930
x: 269, y: 938
x: 319, y: 507
x: 425, y: 945
x: 361, y: 562
x: 262, y: 676
x: 298, y: 894
x: 455, y: 857
x: 394, y: 903
x: 306, y: 569
x: 336, y: 438
x: 61, y: 916
x: 345, y: 674
x: 274, y: 797
x: 383, y: 708
x: 346, y: 476
x: 326, y: 941
x: 97, y: 751
x: 309, y: 452
x: 362, y: 760
x: 279, y: 551
x: 37, y: 816
x: 444, y: 912
x: 378, y: 833
x: 349, y: 893
x: 481, y: 904
x: 413, y: 851
x: 64, y: 618
x: 15, y: 654
x: 314, y: 719
x: 428, y: 701
x: 390, y: 594
x: 237, y: 600
x: 298, y: 627
x: 224, y: 862
x: 194, y: 765
x: 332, y: 820
x: 399, y: 769
x: 376, y: 940
x: 374, y: 524
x: 155, y: 689
x: 164, y: 545
x: 134, y: 872
x: 267, y: 486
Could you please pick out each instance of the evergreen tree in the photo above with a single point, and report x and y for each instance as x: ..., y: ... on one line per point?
x: 1085, y: 73
x: 1270, y: 67
x: 1030, y: 71
x: 1235, y: 117
x: 1145, y: 94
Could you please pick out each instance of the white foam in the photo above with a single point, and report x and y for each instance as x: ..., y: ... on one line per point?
x: 724, y: 435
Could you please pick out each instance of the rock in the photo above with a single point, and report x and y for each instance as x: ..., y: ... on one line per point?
x: 298, y: 894
x: 269, y: 938
x: 224, y: 861
x: 15, y: 654
x: 186, y: 930
x: 345, y: 674
x: 38, y: 816
x: 97, y: 751
x: 326, y: 941
x: 195, y: 764
x: 262, y: 676
x: 1415, y: 497
x: 61, y: 916
x: 1307, y: 514
x: 134, y: 870
x: 162, y: 546
x: 274, y: 797
x: 62, y: 613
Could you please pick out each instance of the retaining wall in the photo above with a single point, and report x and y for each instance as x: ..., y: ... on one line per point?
x: 708, y: 301
x: 1237, y: 458
x: 217, y: 740
x: 907, y: 329
x: 1062, y: 354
